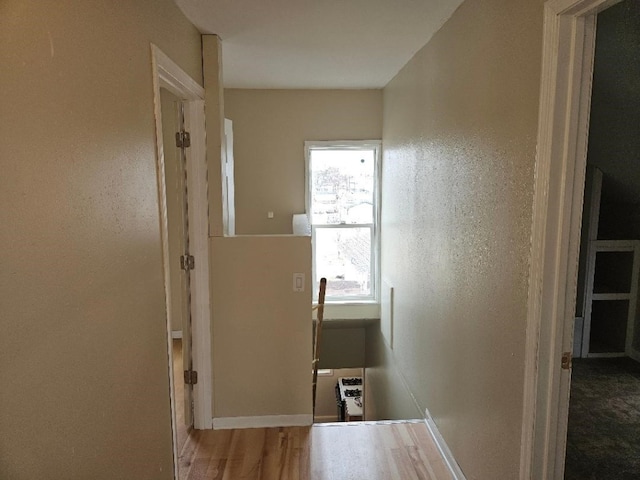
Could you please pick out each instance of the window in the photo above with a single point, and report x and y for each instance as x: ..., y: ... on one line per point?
x: 342, y: 203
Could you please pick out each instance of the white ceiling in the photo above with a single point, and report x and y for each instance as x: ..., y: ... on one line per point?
x: 317, y: 43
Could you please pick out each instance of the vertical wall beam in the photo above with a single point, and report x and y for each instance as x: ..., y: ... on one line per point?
x: 214, y: 114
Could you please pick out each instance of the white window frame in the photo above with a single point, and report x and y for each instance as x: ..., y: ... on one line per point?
x: 376, y: 146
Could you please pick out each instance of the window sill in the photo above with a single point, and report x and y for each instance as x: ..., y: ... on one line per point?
x: 350, y: 311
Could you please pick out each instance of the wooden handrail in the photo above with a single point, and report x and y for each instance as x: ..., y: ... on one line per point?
x: 316, y: 343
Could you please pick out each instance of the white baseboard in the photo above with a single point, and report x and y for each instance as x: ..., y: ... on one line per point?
x: 176, y: 334
x: 226, y: 423
x: 452, y: 465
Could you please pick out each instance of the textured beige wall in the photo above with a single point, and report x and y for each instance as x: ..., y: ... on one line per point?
x: 388, y: 397
x: 270, y: 128
x: 341, y: 347
x: 261, y: 327
x: 83, y: 351
x: 460, y: 123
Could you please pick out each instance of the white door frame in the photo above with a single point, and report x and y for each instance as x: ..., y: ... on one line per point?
x: 167, y: 74
x: 563, y: 126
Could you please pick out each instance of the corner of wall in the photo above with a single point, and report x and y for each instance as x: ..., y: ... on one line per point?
x: 388, y: 396
x: 214, y: 99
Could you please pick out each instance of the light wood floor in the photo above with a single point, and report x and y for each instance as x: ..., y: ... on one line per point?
x: 182, y: 430
x: 346, y: 451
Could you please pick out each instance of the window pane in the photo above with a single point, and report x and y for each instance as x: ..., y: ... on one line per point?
x: 342, y: 184
x: 343, y: 257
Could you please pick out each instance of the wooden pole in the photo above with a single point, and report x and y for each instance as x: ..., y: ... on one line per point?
x: 316, y: 343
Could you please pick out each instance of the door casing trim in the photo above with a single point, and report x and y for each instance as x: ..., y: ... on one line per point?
x: 167, y: 74
x: 563, y: 126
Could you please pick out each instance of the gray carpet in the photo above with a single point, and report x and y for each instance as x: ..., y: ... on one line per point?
x: 603, y: 440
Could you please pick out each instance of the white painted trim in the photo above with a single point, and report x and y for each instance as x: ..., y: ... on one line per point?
x: 227, y: 173
x: 266, y: 421
x: 175, y: 334
x: 164, y: 236
x: 386, y: 312
x: 199, y: 246
x: 167, y: 74
x: 368, y: 422
x: 173, y: 78
x: 567, y: 65
x: 452, y: 465
x: 350, y: 311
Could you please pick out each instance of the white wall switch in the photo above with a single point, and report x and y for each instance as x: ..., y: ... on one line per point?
x: 269, y: 214
x: 298, y: 282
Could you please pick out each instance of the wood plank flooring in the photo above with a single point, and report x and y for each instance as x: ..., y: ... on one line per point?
x: 182, y: 429
x: 344, y: 451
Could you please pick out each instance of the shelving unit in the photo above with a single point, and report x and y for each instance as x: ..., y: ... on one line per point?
x: 611, y: 298
x: 610, y: 289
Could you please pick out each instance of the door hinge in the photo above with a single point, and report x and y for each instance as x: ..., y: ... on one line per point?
x: 183, y: 139
x: 187, y: 262
x: 190, y: 377
x: 566, y: 361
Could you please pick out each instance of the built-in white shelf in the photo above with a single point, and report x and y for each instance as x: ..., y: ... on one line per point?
x: 611, y: 298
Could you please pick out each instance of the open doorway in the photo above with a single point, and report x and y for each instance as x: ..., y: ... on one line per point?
x: 182, y: 194
x: 603, y: 439
x: 340, y: 391
x: 340, y: 395
x: 179, y: 307
x: 568, y: 59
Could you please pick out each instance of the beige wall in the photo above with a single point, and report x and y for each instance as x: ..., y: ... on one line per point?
x: 261, y: 328
x: 270, y: 128
x: 341, y: 346
x: 388, y: 396
x: 460, y: 123
x: 83, y: 352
